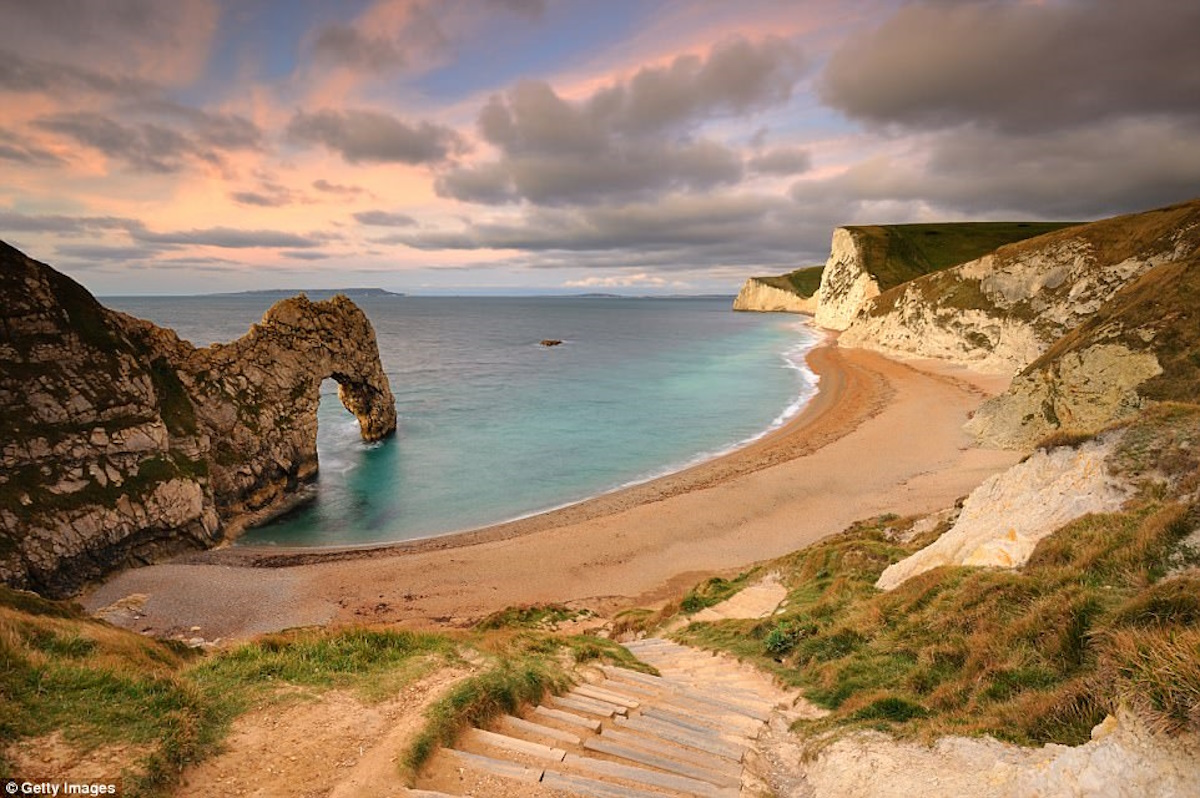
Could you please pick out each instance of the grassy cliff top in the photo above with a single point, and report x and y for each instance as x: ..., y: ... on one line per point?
x: 897, y: 253
x: 802, y: 282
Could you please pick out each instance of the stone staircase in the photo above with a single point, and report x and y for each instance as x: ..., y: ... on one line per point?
x: 623, y: 734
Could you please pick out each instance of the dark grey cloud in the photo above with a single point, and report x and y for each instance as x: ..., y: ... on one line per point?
x: 103, y: 252
x: 385, y: 219
x: 226, y: 237
x: 21, y: 74
x: 361, y: 136
x: 269, y: 194
x: 1081, y: 174
x: 677, y: 231
x: 153, y: 146
x: 305, y: 255
x: 259, y: 199
x: 65, y: 225
x: 1020, y: 66
x: 627, y: 140
x: 327, y: 187
x: 18, y: 149
x: 347, y: 46
x: 430, y: 29
x: 781, y: 161
x: 217, y: 130
x: 145, y: 147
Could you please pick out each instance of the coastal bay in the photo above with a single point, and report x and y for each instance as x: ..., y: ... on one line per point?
x: 879, y: 436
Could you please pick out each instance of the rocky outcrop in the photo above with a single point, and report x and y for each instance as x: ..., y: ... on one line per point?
x: 1003, y: 519
x: 1139, y: 347
x: 846, y: 282
x: 760, y: 296
x: 120, y: 443
x: 1123, y: 760
x: 1002, y: 311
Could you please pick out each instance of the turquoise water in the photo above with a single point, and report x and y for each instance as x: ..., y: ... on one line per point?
x: 493, y: 426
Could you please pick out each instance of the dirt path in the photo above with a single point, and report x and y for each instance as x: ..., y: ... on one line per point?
x: 333, y: 745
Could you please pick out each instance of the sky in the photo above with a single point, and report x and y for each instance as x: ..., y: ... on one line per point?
x: 633, y: 146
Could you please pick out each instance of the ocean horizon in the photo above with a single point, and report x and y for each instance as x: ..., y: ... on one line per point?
x: 493, y: 426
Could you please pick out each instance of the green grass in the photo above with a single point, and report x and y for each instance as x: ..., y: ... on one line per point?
x: 714, y: 591
x: 1032, y: 656
x: 802, y: 282
x: 61, y: 670
x: 501, y: 689
x: 531, y: 616
x: 897, y: 253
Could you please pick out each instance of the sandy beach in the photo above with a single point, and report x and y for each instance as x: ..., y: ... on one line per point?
x: 879, y: 436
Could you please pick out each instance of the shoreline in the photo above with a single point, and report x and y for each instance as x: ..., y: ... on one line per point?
x: 308, y: 493
x: 879, y: 435
x: 760, y: 451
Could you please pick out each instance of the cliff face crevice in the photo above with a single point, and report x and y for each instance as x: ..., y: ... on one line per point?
x: 121, y: 443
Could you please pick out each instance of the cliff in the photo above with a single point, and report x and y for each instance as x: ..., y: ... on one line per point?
x: 865, y: 261
x: 1140, y: 347
x: 1002, y: 311
x: 120, y: 443
x: 794, y: 292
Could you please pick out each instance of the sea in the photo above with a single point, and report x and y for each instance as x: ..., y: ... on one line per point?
x: 494, y: 426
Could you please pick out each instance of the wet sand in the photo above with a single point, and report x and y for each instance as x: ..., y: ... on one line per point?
x: 879, y: 436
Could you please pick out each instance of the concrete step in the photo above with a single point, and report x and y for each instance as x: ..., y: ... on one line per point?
x: 657, y: 745
x: 495, y: 767
x: 704, y: 704
x: 601, y: 745
x: 569, y: 718
x: 752, y: 706
x: 586, y: 705
x: 601, y: 694
x: 513, y: 744
x: 707, y: 743
x: 645, y: 777
x: 735, y: 698
x: 581, y: 785
x: 723, y: 722
x: 521, y: 726
x: 696, y: 726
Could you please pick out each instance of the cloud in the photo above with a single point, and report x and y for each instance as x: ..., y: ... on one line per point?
x: 781, y: 161
x: 226, y: 237
x: 305, y: 255
x: 136, y: 40
x: 674, y: 232
x: 374, y: 137
x: 1020, y: 67
x: 152, y: 146
x: 1081, y: 174
x: 27, y: 75
x: 20, y: 150
x: 346, y: 46
x: 107, y: 253
x: 340, y: 189
x: 65, y: 225
x: 385, y: 219
x: 392, y: 35
x: 629, y: 139
x: 268, y: 195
